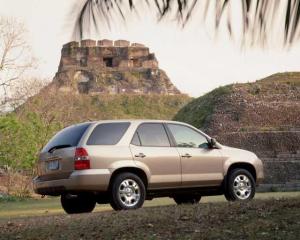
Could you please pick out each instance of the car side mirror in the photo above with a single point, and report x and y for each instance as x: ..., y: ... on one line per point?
x: 213, y: 142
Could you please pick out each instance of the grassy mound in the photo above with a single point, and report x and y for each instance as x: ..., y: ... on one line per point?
x: 199, y: 111
x: 272, y: 103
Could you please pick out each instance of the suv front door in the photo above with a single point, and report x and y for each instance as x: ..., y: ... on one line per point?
x: 201, y: 165
x: 152, y: 150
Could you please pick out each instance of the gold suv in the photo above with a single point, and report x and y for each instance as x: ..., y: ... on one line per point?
x: 125, y: 162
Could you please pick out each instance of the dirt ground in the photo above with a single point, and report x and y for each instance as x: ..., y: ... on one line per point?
x: 258, y: 219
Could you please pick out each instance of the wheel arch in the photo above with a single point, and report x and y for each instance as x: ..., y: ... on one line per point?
x: 139, y: 172
x: 243, y: 165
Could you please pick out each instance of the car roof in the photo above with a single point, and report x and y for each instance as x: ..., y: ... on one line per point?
x: 138, y: 121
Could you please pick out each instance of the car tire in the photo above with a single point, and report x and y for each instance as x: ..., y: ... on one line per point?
x: 227, y: 196
x: 127, y: 192
x: 81, y: 203
x: 187, y: 199
x: 240, y: 185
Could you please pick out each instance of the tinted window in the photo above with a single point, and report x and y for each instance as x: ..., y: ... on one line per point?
x: 108, y: 133
x: 153, y: 134
x: 68, y: 137
x: 187, y: 137
x: 136, y: 140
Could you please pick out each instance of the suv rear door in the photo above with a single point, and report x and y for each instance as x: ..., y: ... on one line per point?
x: 56, y: 160
x: 103, y: 145
x: 201, y: 165
x: 151, y: 147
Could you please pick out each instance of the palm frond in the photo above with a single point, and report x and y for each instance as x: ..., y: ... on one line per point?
x: 258, y: 16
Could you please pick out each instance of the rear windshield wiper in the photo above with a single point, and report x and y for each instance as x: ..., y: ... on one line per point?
x: 58, y: 147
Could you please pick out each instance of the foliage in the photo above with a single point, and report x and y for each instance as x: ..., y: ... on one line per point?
x: 22, y: 138
x: 79, y: 108
x: 10, y: 198
x: 257, y: 16
x: 139, y: 106
x: 24, y: 132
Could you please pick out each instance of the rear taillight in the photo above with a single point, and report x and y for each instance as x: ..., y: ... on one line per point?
x: 82, y: 160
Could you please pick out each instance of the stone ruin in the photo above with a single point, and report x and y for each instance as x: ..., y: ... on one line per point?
x: 107, y: 67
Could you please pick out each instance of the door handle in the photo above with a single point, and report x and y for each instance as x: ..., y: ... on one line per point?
x: 140, y: 155
x: 186, y: 155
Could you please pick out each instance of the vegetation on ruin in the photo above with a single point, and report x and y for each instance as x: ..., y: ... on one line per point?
x: 199, y: 111
x: 242, y: 107
x: 25, y: 131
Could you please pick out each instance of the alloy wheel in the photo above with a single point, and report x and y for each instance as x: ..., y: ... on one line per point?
x: 129, y: 192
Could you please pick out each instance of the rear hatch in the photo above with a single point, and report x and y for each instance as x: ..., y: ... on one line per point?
x: 56, y: 160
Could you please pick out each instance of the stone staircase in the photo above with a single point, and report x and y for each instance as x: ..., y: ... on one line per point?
x: 282, y: 172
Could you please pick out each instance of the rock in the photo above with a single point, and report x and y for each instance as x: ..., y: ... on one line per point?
x: 150, y: 225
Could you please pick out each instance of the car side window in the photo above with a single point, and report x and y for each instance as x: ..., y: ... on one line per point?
x: 187, y: 137
x: 153, y: 135
x: 136, y: 140
x: 108, y: 133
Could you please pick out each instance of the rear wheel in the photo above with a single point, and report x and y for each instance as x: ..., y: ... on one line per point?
x: 127, y: 192
x: 81, y: 203
x: 187, y: 199
x: 240, y: 185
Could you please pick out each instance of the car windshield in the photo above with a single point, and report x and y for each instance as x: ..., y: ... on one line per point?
x: 68, y: 137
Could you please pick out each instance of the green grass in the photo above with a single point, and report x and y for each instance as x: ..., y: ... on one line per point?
x: 51, y: 206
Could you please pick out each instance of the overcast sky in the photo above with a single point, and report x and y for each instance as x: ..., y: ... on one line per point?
x: 195, y: 62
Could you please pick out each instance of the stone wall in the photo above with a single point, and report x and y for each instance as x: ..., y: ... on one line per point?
x: 279, y: 151
x: 106, y: 66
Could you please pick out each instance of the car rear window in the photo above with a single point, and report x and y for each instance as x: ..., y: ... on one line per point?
x: 108, y: 133
x: 68, y: 137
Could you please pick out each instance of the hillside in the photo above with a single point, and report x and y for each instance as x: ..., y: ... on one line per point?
x: 272, y: 103
x: 68, y: 108
x: 263, y: 116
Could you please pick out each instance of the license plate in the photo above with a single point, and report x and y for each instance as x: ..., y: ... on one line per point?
x: 53, y: 165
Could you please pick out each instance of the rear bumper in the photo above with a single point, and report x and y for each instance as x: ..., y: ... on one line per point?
x: 84, y: 180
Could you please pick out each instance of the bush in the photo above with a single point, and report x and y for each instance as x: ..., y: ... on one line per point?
x: 10, y: 198
x: 22, y: 138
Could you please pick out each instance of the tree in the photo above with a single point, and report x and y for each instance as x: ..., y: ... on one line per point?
x: 257, y: 15
x: 15, y: 56
x: 24, y: 88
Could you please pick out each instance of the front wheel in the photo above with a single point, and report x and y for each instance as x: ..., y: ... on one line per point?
x: 187, y: 199
x: 127, y: 192
x: 81, y: 203
x: 240, y: 185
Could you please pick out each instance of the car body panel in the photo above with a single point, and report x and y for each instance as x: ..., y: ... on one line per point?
x: 64, y: 157
x: 235, y: 155
x: 204, y: 167
x: 163, y: 166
